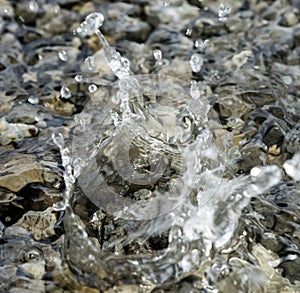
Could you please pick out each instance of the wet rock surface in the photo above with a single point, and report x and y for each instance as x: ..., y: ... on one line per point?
x: 250, y: 76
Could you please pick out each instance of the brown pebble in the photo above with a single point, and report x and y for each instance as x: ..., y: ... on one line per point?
x: 274, y: 150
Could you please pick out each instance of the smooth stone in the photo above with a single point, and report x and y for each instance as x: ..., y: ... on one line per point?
x: 10, y: 132
x: 290, y: 18
x: 18, y: 171
x: 175, y: 17
x: 38, y: 224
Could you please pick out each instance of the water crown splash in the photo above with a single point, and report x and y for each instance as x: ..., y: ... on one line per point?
x: 150, y: 163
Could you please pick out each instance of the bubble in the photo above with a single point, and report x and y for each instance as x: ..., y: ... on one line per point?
x: 65, y: 92
x: 92, y: 88
x: 196, y: 62
x: 89, y: 61
x: 224, y: 10
x: 63, y: 55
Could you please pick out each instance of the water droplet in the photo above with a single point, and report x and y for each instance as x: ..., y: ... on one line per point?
x: 167, y: 3
x: 78, y: 78
x: 89, y: 61
x: 33, y: 6
x: 194, y: 90
x: 91, y: 24
x: 224, y: 10
x: 201, y: 44
x: 65, y: 92
x: 63, y: 55
x: 196, y: 62
x: 33, y: 100
x: 157, y: 55
x: 92, y: 88
x: 188, y: 32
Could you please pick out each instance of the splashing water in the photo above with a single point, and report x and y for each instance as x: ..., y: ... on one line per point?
x: 196, y: 62
x: 65, y: 92
x: 91, y: 24
x: 150, y: 164
x: 89, y: 61
x: 224, y: 11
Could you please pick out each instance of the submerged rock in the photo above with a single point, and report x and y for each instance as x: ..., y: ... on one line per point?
x: 10, y: 132
x: 40, y: 225
x: 18, y: 171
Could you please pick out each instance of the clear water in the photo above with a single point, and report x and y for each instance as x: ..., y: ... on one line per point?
x: 160, y: 190
x: 149, y: 161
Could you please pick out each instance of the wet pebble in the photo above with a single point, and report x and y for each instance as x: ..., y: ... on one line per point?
x: 10, y: 132
x: 38, y: 224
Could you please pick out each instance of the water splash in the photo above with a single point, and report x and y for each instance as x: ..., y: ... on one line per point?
x: 65, y: 92
x: 150, y: 164
x: 196, y: 62
x: 224, y: 11
x: 91, y: 24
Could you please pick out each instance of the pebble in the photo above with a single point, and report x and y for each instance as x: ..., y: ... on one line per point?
x: 20, y: 170
x: 290, y: 18
x: 39, y: 224
x: 274, y: 150
x: 10, y: 132
x: 251, y: 61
